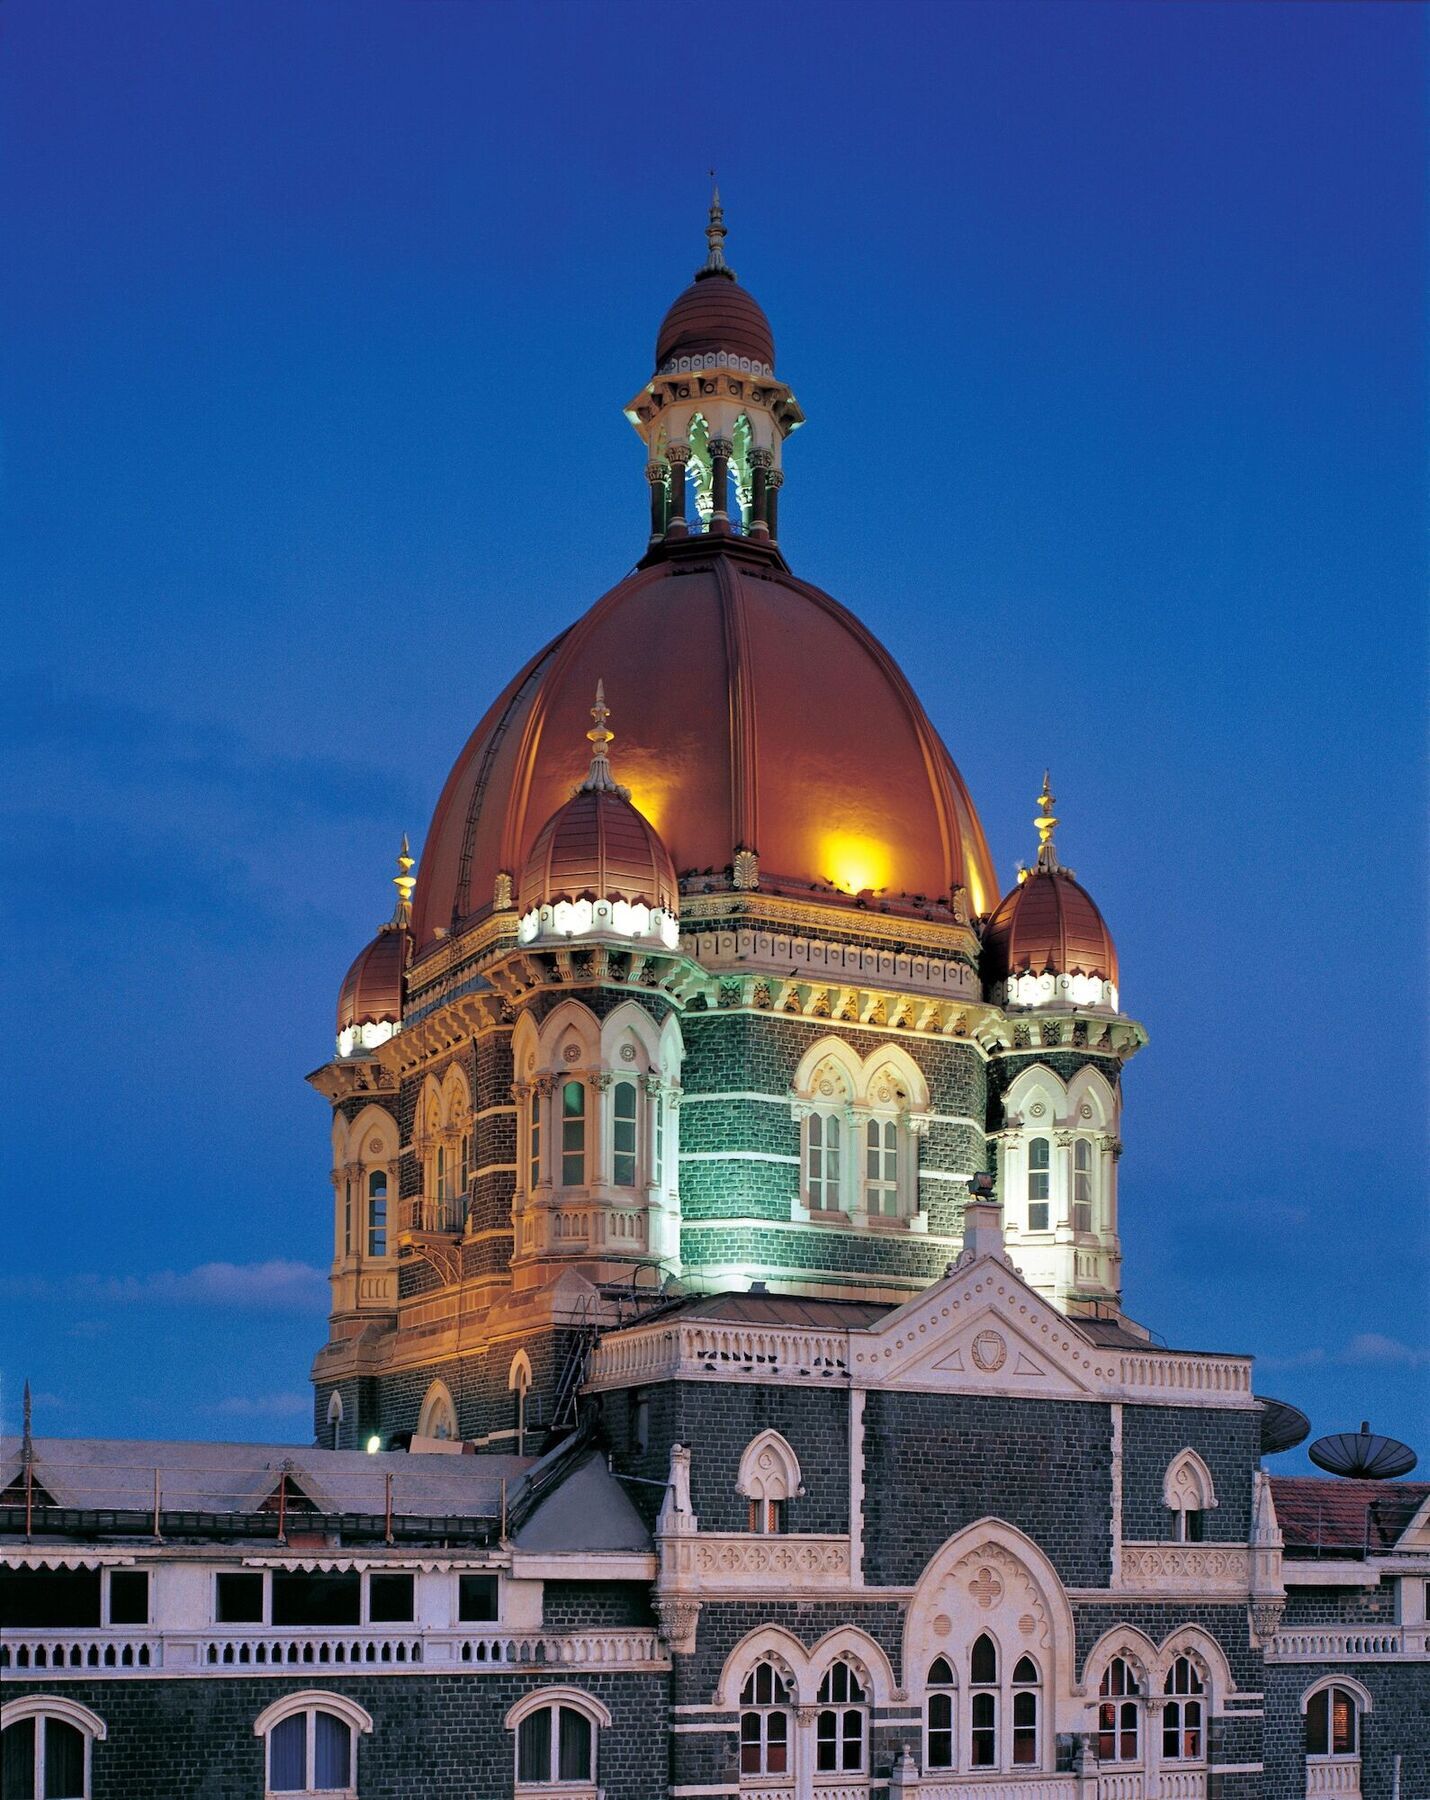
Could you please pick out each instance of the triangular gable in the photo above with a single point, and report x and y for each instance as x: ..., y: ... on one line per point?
x: 981, y: 1330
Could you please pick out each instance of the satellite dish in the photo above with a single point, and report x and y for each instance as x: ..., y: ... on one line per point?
x: 1283, y: 1426
x: 1363, y: 1454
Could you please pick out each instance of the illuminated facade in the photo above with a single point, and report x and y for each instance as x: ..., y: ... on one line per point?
x: 727, y: 1287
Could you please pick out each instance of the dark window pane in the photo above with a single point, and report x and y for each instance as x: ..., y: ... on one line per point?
x: 17, y: 1760
x: 1343, y: 1722
x: 301, y: 1598
x: 129, y: 1597
x: 332, y: 1751
x: 49, y: 1599
x: 288, y: 1755
x: 64, y: 1761
x: 984, y: 1661
x: 777, y: 1741
x: 1317, y: 1732
x: 575, y: 1745
x: 533, y: 1746
x: 1025, y: 1674
x: 389, y: 1599
x: 476, y: 1599
x: 238, y: 1600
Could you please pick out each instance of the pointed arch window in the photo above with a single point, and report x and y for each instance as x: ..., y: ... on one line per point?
x: 941, y: 1740
x: 1183, y: 1713
x: 881, y: 1168
x: 824, y: 1146
x: 377, y: 1212
x: 1040, y: 1183
x: 573, y: 1134
x: 1027, y: 1708
x: 533, y: 1142
x: 1082, y: 1185
x: 983, y: 1704
x: 623, y: 1134
x: 1119, y: 1714
x: 839, y: 1728
x: 765, y: 1722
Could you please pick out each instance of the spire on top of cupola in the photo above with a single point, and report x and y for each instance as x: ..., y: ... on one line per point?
x: 404, y: 881
x: 599, y: 779
x: 715, y: 263
x: 1046, y: 823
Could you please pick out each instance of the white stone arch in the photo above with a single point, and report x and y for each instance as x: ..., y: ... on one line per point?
x: 456, y: 1096
x: 845, y: 1073
x: 576, y: 1698
x: 1364, y: 1701
x: 569, y: 1026
x: 306, y: 1700
x: 525, y: 1048
x: 518, y: 1376
x: 35, y: 1706
x: 1207, y: 1658
x: 373, y: 1125
x: 1132, y: 1645
x: 1091, y: 1088
x: 1033, y: 1085
x: 438, y: 1415
x: 909, y: 1092
x: 991, y: 1578
x: 767, y: 1643
x: 863, y: 1655
x: 1188, y: 1485
x: 335, y: 1419
x: 629, y: 1026
x: 340, y: 1140
x: 769, y: 1469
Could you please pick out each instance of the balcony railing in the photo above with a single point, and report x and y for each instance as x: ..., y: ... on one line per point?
x: 1336, y: 1643
x: 79, y: 1655
x: 1337, y: 1775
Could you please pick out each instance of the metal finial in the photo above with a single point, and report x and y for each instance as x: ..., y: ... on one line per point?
x: 715, y: 263
x: 599, y: 778
x: 404, y: 881
x: 27, y: 1442
x: 1046, y: 823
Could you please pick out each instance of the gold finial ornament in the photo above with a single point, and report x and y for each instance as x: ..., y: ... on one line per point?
x: 1046, y: 823
x: 599, y: 778
x: 404, y: 881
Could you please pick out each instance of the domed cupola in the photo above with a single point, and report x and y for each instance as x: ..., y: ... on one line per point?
x: 1046, y: 941
x: 598, y: 864
x: 715, y: 323
x: 370, y: 1000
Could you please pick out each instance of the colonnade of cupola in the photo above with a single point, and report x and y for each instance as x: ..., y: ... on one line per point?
x: 714, y: 416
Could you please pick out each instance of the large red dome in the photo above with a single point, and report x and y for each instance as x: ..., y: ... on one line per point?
x: 751, y: 712
x: 716, y: 315
x: 1048, y: 925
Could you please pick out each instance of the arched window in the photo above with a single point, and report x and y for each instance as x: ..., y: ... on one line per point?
x: 823, y: 1147
x: 765, y: 1722
x: 45, y: 1748
x: 377, y: 1213
x: 1082, y: 1185
x: 466, y: 1162
x: 942, y: 1738
x: 1188, y: 1490
x: 444, y: 1175
x: 348, y: 1217
x: 839, y: 1726
x: 1118, y: 1714
x: 1025, y: 1711
x: 983, y: 1704
x: 1040, y: 1179
x: 335, y: 1418
x: 881, y: 1168
x: 769, y: 1478
x: 556, y: 1732
x: 310, y: 1743
x: 657, y: 1105
x: 623, y: 1134
x: 533, y: 1142
x: 1182, y: 1714
x: 573, y: 1133
x: 438, y: 1418
x: 1332, y: 1722
x: 518, y: 1381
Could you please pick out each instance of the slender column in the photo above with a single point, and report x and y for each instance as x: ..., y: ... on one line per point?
x: 655, y: 474
x: 760, y: 462
x: 774, y: 481
x: 675, y: 525
x: 721, y: 450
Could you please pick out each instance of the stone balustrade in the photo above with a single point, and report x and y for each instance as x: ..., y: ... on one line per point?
x: 1336, y: 1643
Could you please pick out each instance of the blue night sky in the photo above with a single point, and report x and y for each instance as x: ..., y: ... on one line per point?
x: 1108, y: 323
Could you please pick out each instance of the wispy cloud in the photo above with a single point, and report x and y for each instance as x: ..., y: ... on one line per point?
x: 1365, y: 1347
x: 276, y: 1286
x: 261, y: 1406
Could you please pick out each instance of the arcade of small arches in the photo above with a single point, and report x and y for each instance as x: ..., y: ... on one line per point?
x: 860, y: 1123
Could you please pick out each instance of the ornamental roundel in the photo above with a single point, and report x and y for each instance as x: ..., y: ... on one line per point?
x: 1085, y: 1110
x: 374, y: 1146
x: 628, y: 1053
x: 985, y: 1588
x: 826, y: 1087
x: 989, y: 1352
x: 571, y: 1052
x: 942, y: 1625
x: 1026, y: 1624
x: 1036, y: 1110
x: 531, y: 1062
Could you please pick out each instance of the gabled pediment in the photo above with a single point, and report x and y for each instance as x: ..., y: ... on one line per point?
x: 981, y: 1330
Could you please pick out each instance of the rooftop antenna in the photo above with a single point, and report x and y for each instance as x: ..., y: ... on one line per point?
x: 1362, y: 1455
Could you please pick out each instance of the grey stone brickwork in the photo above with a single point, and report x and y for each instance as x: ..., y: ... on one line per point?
x: 1398, y: 1724
x: 1227, y: 1441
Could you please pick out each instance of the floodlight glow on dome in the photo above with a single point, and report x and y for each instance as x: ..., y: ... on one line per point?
x: 855, y: 863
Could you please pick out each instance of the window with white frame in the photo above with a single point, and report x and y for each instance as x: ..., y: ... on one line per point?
x: 983, y: 1704
x: 623, y: 1134
x: 557, y: 1731
x: 1119, y: 1713
x: 377, y: 1213
x: 1183, y: 1713
x: 881, y: 1168
x: 941, y: 1733
x: 823, y: 1161
x: 573, y: 1134
x: 438, y: 1417
x: 1040, y: 1183
x: 535, y: 1100
x: 310, y: 1744
x: 657, y: 1106
x: 1332, y: 1722
x: 765, y: 1713
x: 1082, y: 1185
x: 840, y: 1725
x: 1189, y: 1493
x: 45, y: 1746
x: 1027, y: 1709
x: 335, y: 1418
x: 769, y: 1479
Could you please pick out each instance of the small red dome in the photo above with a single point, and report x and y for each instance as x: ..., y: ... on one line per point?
x: 716, y: 314
x: 599, y: 847
x: 1048, y: 925
x: 372, y: 989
